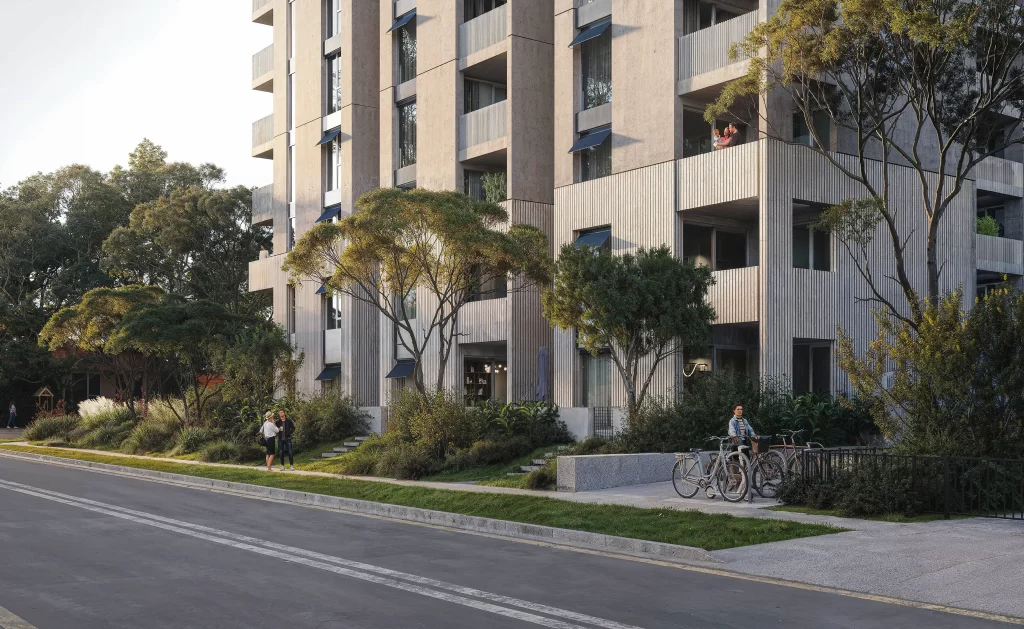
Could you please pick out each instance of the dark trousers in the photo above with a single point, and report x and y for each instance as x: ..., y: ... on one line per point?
x: 285, y: 445
x: 11, y: 423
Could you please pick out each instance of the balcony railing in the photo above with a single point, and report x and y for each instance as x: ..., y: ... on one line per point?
x: 483, y: 32
x: 263, y: 131
x: 734, y: 295
x: 483, y: 125
x: 263, y: 62
x: 998, y: 174
x: 999, y: 255
x: 708, y: 49
x: 263, y: 204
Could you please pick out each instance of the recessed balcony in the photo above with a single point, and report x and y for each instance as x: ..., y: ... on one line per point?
x: 704, y: 54
x: 1004, y: 256
x: 263, y: 70
x: 484, y: 131
x: 263, y: 137
x: 484, y: 38
x: 1004, y: 176
x: 263, y: 12
x: 263, y: 205
x: 735, y: 295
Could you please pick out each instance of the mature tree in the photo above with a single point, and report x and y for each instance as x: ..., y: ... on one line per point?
x: 194, y: 242
x: 149, y: 176
x: 442, y: 245
x: 928, y: 84
x: 639, y: 307
x: 91, y: 328
x: 954, y: 385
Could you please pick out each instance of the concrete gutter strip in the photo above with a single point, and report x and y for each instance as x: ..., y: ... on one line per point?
x: 503, y: 528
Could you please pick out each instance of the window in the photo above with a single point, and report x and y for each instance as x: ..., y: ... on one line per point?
x: 596, y: 64
x: 996, y: 213
x: 407, y: 52
x: 597, y: 380
x: 697, y: 241
x: 711, y: 14
x: 698, y: 137
x: 731, y: 361
x: 596, y: 162
x: 291, y: 197
x: 730, y: 250
x: 407, y: 134
x: 812, y: 249
x: 822, y: 126
x: 476, y: 8
x: 290, y: 314
x: 600, y: 238
x: 474, y: 184
x: 333, y: 17
x: 292, y: 30
x: 332, y: 165
x: 85, y: 386
x: 480, y: 94
x: 407, y: 305
x: 490, y: 288
x: 726, y: 247
x: 403, y: 351
x: 333, y: 303
x: 812, y: 368
x: 333, y: 83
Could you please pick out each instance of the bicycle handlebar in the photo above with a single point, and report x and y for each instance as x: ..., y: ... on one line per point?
x: 790, y: 433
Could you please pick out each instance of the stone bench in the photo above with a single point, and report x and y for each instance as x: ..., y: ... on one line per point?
x: 603, y: 471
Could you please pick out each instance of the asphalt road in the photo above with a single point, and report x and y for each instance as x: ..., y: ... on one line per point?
x: 85, y: 550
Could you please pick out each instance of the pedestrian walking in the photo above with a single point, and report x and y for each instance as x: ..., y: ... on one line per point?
x: 286, y: 428
x: 12, y: 417
x: 268, y: 434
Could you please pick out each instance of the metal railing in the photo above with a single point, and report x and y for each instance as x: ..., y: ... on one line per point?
x: 484, y: 31
x: 263, y: 131
x: 946, y: 485
x: 708, y: 49
x: 603, y: 424
x: 483, y: 125
x: 259, y: 4
x: 263, y: 62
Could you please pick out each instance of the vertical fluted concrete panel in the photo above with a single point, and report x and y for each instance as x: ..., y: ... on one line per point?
x: 528, y: 330
x: 531, y: 119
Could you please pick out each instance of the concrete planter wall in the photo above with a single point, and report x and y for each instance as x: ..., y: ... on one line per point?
x: 602, y: 471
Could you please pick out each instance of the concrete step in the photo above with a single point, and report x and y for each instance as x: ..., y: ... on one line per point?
x: 342, y: 450
x: 353, y: 444
x: 530, y: 468
x: 362, y: 439
x: 515, y: 474
x: 540, y: 462
x: 329, y: 455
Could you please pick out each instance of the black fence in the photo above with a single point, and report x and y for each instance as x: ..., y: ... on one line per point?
x: 930, y: 484
x: 603, y: 426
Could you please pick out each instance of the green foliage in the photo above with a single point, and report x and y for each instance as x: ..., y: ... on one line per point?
x: 107, y: 430
x: 405, y: 461
x: 495, y: 187
x: 641, y: 307
x: 546, y: 478
x: 191, y: 439
x: 157, y: 433
x: 55, y: 427
x: 220, y: 451
x: 483, y: 453
x: 537, y: 422
x: 866, y: 491
x: 987, y: 226
x: 328, y: 417
x: 955, y: 385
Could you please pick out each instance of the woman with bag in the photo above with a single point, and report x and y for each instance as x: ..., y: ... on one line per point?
x: 268, y: 433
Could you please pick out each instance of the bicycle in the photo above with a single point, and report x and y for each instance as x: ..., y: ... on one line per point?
x: 766, y: 471
x: 721, y: 472
x: 791, y: 453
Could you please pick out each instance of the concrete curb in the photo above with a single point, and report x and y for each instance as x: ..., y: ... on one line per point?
x: 502, y: 528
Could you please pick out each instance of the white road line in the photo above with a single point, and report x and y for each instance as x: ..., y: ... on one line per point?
x: 10, y: 621
x: 313, y: 559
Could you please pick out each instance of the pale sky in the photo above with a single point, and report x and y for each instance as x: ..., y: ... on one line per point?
x: 83, y: 81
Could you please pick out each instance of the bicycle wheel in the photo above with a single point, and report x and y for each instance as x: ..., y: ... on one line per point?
x: 767, y: 476
x: 686, y: 477
x: 780, y: 460
x: 732, y: 479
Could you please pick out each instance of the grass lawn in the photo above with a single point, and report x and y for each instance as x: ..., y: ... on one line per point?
x: 497, y: 472
x: 890, y: 517
x: 688, y: 528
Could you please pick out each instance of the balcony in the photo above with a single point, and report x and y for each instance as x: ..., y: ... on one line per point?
x: 263, y: 70
x: 483, y: 131
x: 735, y: 295
x: 484, y: 321
x: 263, y: 137
x: 704, y: 55
x: 1004, y: 256
x: 700, y: 177
x: 1004, y: 176
x: 266, y: 274
x: 263, y: 205
x: 263, y: 12
x: 480, y: 34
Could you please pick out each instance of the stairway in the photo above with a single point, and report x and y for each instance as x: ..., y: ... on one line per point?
x: 348, y: 447
x: 536, y: 464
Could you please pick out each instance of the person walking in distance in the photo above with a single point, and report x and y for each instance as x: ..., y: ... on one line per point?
x: 286, y: 428
x: 268, y: 432
x: 12, y: 417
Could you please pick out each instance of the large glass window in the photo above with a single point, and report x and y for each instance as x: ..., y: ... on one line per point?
x: 491, y: 288
x: 998, y: 214
x: 332, y: 176
x: 407, y: 306
x: 334, y: 84
x: 697, y: 241
x: 476, y: 8
x: 597, y: 380
x: 596, y: 162
x: 407, y: 134
x: 730, y: 250
x: 407, y: 52
x: 291, y: 197
x: 596, y: 64
x: 480, y: 94
x: 822, y: 126
x: 727, y: 247
x: 333, y: 303
x: 711, y: 14
x: 333, y: 17
x: 474, y: 184
x: 812, y: 249
x: 812, y: 368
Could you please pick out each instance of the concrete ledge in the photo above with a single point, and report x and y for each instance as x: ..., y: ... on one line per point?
x: 503, y: 528
x: 602, y: 471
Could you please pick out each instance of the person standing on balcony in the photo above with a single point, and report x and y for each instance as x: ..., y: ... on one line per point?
x: 735, y: 137
x: 716, y: 139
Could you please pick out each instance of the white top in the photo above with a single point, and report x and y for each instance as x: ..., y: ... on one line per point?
x: 269, y: 429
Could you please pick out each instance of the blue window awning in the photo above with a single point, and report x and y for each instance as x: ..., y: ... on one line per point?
x: 402, y: 21
x: 596, y: 238
x: 590, y: 140
x: 322, y: 290
x: 591, y: 32
x: 329, y: 136
x: 402, y: 369
x: 330, y: 372
x: 329, y: 213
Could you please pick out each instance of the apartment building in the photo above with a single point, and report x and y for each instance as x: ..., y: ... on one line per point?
x: 593, y: 110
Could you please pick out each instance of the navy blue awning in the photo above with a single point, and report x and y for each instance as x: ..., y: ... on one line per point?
x: 590, y: 140
x: 402, y: 21
x: 330, y: 372
x: 591, y: 32
x: 329, y: 213
x: 329, y: 136
x: 402, y: 369
x: 597, y: 238
x: 322, y: 290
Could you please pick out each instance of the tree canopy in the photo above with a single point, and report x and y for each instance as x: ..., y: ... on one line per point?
x: 639, y: 307
x: 442, y: 245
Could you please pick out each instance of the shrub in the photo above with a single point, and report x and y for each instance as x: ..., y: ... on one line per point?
x: 59, y: 426
x: 97, y: 406
x: 156, y: 433
x: 329, y: 417
x: 217, y: 451
x: 106, y: 429
x: 405, y: 461
x: 438, y: 422
x: 869, y: 490
x: 484, y: 453
x: 192, y: 438
x: 544, y: 478
x: 537, y: 421
x: 987, y: 226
